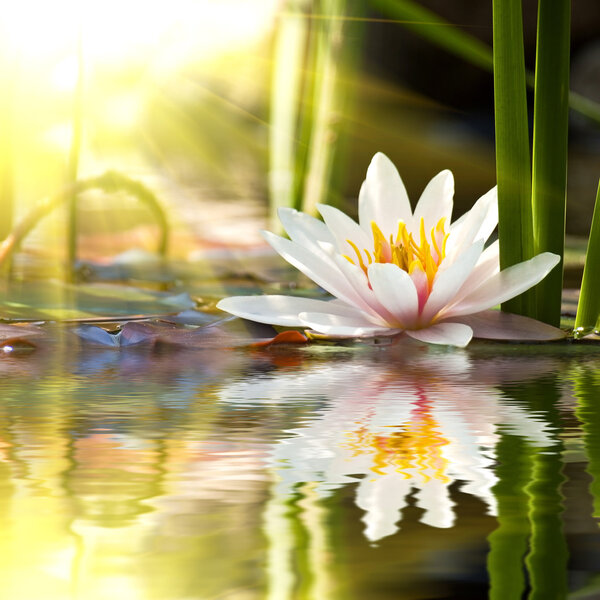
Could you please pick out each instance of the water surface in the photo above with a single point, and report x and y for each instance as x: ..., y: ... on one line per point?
x: 323, y: 472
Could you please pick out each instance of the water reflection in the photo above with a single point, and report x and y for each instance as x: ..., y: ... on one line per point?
x: 396, y: 431
x: 276, y: 473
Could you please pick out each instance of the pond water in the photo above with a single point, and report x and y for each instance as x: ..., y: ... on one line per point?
x: 321, y: 472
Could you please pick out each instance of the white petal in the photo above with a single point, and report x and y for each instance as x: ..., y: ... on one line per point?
x: 451, y: 334
x: 505, y: 285
x: 497, y: 325
x: 353, y: 326
x: 281, y: 310
x: 487, y: 265
x: 448, y: 282
x: 394, y: 288
x: 383, y: 197
x: 304, y: 229
x: 477, y: 224
x: 323, y: 272
x: 436, y: 201
x: 343, y: 228
x: 358, y: 280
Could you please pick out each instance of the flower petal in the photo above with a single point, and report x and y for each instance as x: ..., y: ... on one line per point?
x: 358, y: 280
x: 323, y: 272
x: 497, y: 325
x: 505, y: 285
x: 436, y: 201
x: 282, y: 310
x: 448, y: 282
x: 343, y: 228
x: 487, y: 265
x: 451, y: 334
x: 477, y: 224
x: 383, y: 197
x: 304, y: 229
x: 351, y: 326
x: 394, y: 288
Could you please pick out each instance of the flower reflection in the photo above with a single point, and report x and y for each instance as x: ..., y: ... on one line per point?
x: 396, y: 430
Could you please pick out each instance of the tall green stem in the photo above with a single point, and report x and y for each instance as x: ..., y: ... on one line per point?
x: 588, y: 308
x: 515, y: 230
x: 550, y: 147
x: 285, y: 92
x: 74, y: 154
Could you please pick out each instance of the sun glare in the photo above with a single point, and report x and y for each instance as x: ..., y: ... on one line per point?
x: 116, y: 30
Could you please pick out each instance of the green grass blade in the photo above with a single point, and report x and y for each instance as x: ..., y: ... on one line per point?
x: 444, y: 34
x: 513, y: 174
x: 285, y: 93
x: 327, y: 105
x: 588, y: 309
x: 73, y: 161
x: 8, y: 78
x: 550, y: 125
x: 434, y: 28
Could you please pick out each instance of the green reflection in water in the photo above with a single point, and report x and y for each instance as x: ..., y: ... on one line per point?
x: 547, y: 559
x: 586, y: 391
x: 530, y: 505
x: 508, y: 543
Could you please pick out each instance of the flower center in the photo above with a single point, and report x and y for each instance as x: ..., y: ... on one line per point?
x: 404, y: 251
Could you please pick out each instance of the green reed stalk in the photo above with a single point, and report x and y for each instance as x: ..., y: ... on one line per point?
x: 448, y: 36
x: 508, y: 543
x: 327, y: 104
x: 550, y: 125
x: 437, y: 30
x: 513, y: 174
x: 285, y: 93
x: 73, y: 161
x: 7, y: 99
x: 588, y: 308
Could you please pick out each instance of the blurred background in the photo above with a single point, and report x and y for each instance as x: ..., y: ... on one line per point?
x: 224, y: 108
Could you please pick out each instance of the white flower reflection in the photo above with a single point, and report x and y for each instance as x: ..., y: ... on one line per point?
x: 393, y: 430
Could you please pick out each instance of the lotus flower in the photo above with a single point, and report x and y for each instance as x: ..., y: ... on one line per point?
x: 401, y: 271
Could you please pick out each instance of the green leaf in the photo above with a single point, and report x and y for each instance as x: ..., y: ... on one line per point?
x: 550, y: 148
x: 588, y: 309
x: 515, y: 231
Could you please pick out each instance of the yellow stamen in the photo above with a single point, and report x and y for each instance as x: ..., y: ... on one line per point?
x: 360, y: 260
x: 404, y: 251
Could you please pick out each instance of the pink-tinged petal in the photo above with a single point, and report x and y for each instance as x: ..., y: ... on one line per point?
x: 448, y: 282
x: 394, y: 288
x: 304, y: 229
x: 419, y: 279
x: 323, y: 272
x: 282, y: 310
x: 497, y: 325
x: 358, y: 280
x: 343, y: 228
x: 383, y: 197
x: 477, y: 224
x: 450, y: 334
x: 350, y: 326
x: 505, y: 285
x: 487, y: 265
x: 436, y: 201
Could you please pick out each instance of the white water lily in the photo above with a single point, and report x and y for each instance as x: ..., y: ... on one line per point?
x: 401, y: 271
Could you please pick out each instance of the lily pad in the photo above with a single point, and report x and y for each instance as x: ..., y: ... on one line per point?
x: 53, y: 300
